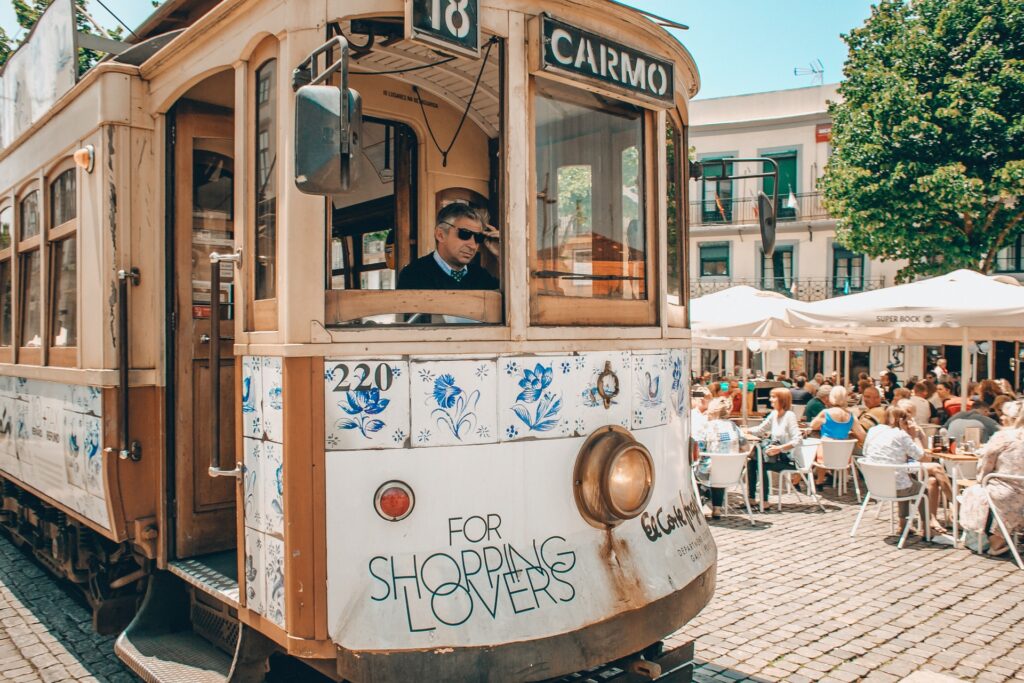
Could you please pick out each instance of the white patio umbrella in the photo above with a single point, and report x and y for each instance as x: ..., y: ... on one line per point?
x: 746, y: 316
x: 949, y: 309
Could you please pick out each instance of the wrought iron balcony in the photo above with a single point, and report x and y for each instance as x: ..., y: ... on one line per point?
x: 743, y: 211
x: 802, y: 289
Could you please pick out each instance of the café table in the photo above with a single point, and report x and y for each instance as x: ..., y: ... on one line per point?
x: 953, y: 462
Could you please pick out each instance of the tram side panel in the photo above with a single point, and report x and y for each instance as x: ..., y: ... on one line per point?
x: 495, y: 551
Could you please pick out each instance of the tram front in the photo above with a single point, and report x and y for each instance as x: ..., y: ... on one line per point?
x: 462, y: 337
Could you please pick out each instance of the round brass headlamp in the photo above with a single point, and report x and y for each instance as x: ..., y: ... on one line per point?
x: 613, y: 478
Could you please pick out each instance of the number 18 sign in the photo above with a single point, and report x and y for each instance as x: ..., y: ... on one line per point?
x: 449, y: 25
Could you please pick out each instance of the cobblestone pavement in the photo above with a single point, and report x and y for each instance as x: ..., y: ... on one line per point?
x: 45, y: 634
x: 798, y: 600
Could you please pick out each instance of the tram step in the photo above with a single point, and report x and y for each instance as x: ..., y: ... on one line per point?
x: 215, y: 574
x: 181, y: 656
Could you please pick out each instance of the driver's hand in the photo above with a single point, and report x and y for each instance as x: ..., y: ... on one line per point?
x: 492, y: 242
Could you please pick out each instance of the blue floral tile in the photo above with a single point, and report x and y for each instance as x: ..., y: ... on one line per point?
x: 74, y: 452
x: 92, y: 451
x: 273, y: 552
x: 255, y: 574
x: 252, y: 485
x: 366, y: 404
x: 252, y: 397
x: 454, y: 402
x: 273, y: 399
x: 679, y: 381
x: 86, y: 400
x: 652, y: 381
x: 536, y: 397
x: 272, y: 475
x: 591, y: 412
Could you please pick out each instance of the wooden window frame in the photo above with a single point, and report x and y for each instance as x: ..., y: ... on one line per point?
x: 29, y: 355
x: 548, y: 310
x: 728, y: 259
x: 261, y: 315
x: 676, y: 314
x: 61, y: 356
x: 7, y: 255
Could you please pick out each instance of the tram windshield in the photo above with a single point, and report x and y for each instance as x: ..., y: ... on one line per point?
x: 591, y: 232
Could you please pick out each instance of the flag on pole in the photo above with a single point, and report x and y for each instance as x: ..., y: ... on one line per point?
x: 791, y: 202
x: 721, y: 209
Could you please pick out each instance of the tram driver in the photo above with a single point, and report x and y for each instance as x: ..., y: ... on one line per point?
x: 458, y: 233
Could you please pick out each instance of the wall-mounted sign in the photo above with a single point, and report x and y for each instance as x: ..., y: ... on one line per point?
x: 575, y: 52
x: 823, y: 132
x: 449, y: 25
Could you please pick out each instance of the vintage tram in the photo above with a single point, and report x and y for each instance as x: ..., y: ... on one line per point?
x: 223, y: 420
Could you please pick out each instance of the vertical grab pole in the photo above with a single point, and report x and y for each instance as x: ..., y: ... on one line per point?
x: 127, y: 449
x: 215, y: 468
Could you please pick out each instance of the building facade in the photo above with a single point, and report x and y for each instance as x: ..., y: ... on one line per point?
x: 793, y: 128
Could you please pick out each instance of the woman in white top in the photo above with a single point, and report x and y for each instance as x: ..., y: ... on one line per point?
x: 896, y: 443
x: 780, y: 428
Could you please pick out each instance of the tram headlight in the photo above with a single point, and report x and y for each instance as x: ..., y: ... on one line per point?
x: 613, y: 478
x: 394, y: 500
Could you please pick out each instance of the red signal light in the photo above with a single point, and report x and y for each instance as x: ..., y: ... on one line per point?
x: 394, y: 501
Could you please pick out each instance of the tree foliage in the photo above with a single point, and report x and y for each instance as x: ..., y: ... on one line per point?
x: 928, y: 139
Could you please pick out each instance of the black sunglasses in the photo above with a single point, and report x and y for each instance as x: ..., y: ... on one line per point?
x: 466, y: 235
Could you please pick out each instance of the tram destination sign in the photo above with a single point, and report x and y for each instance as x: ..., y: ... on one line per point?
x: 572, y: 51
x: 451, y: 26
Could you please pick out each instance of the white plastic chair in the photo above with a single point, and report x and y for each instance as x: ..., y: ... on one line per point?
x: 881, y: 482
x: 971, y: 434
x: 837, y: 456
x: 929, y: 430
x: 803, y: 459
x: 727, y: 471
x: 798, y: 410
x: 1010, y: 540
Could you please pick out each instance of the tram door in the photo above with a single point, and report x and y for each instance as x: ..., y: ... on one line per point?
x: 204, y: 223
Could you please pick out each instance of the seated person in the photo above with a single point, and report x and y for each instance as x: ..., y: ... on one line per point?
x: 818, y: 403
x: 836, y: 423
x: 458, y: 234
x: 718, y: 435
x: 976, y: 416
x: 873, y: 413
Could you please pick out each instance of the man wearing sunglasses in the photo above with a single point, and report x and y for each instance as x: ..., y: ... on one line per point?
x: 458, y: 234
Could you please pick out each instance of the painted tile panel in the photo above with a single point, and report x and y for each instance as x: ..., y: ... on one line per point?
x: 454, y: 403
x: 271, y: 475
x: 252, y: 487
x: 591, y: 413
x: 255, y: 577
x: 651, y: 382
x: 537, y: 397
x: 92, y: 450
x: 252, y: 397
x: 366, y: 403
x: 273, y: 551
x: 273, y: 403
x: 679, y: 380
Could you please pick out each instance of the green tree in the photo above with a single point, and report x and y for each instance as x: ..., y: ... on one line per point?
x: 6, y: 46
x: 928, y: 139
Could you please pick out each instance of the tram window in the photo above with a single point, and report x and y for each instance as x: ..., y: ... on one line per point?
x: 367, y: 223
x: 63, y: 203
x: 591, y: 228
x: 6, y: 226
x: 29, y: 224
x: 64, y: 311
x: 265, y: 272
x: 29, y: 264
x: 675, y: 155
x: 213, y: 182
x: 5, y: 302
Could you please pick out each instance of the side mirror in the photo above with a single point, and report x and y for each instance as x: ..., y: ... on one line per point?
x: 328, y: 123
x: 766, y: 217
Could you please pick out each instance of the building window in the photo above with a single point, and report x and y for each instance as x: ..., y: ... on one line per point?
x: 265, y: 271
x: 590, y: 148
x: 716, y: 195
x: 847, y: 271
x: 1010, y: 259
x: 787, y: 181
x: 714, y: 260
x: 777, y: 270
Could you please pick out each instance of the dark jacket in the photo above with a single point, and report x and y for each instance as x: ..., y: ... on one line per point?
x: 424, y: 273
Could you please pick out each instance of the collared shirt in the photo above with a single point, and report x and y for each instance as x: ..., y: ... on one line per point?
x: 448, y: 269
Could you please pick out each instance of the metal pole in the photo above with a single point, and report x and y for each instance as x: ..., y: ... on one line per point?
x: 743, y: 381
x: 846, y: 367
x: 991, y: 359
x: 965, y: 364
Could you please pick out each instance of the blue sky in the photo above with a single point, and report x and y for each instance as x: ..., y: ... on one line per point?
x: 741, y: 46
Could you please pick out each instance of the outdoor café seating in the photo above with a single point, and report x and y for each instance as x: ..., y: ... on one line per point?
x: 803, y: 460
x: 880, y: 480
